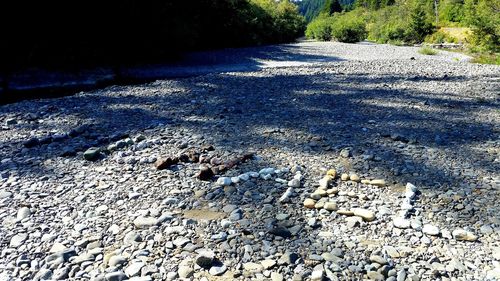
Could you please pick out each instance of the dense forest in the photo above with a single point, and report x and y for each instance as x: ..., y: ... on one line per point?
x: 475, y: 23
x: 82, y: 33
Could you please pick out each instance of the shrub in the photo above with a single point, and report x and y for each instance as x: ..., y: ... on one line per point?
x: 320, y: 29
x: 440, y: 37
x: 349, y: 29
x: 427, y: 51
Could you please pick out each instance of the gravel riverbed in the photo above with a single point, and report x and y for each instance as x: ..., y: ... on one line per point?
x: 328, y: 161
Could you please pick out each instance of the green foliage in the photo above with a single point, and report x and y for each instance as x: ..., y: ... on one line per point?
x: 451, y: 11
x: 331, y: 7
x: 348, y: 28
x: 427, y: 51
x: 419, y: 25
x: 440, y: 37
x: 484, y: 18
x: 487, y: 58
x: 320, y: 29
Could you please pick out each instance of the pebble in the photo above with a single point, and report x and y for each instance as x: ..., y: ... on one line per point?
x: 318, y: 273
x: 217, y: 270
x: 224, y: 181
x: 116, y: 276
x: 23, y: 213
x: 378, y: 259
x: 367, y: 215
x: 92, y: 154
x: 277, y: 276
x: 309, y: 203
x: 464, y: 235
x: 330, y: 206
x: 205, y: 258
x: 145, y: 222
x: 295, y: 183
x: 378, y: 182
x: 134, y: 269
x: 374, y: 275
x: 185, y: 271
x: 117, y: 261
x: 17, y: 240
x: 431, y: 230
x: 253, y: 267
x: 402, y: 223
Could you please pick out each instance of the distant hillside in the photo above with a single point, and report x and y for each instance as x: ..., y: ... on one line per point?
x: 311, y: 8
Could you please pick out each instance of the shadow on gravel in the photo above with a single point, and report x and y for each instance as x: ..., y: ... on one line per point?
x: 311, y: 115
x: 40, y: 83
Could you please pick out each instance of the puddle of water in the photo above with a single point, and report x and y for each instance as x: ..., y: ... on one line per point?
x: 203, y: 215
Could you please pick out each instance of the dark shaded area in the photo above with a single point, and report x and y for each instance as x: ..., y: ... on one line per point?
x: 39, y: 83
x: 75, y: 34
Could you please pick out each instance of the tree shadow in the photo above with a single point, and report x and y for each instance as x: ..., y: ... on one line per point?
x: 306, y: 116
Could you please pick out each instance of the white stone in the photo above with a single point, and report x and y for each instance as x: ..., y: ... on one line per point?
x: 431, y: 230
x: 224, y: 181
x: 402, y: 223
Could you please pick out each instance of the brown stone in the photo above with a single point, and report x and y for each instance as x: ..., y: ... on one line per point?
x: 205, y: 173
x: 165, y: 163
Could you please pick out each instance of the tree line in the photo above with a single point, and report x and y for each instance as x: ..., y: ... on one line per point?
x: 409, y: 22
x: 86, y: 33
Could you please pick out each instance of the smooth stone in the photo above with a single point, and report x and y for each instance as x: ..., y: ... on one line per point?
x: 392, y: 252
x: 464, y: 235
x: 315, y: 196
x: 267, y: 171
x: 5, y: 194
x: 18, y: 240
x: 23, y: 213
x: 276, y: 276
x: 295, y: 183
x: 132, y: 237
x: 116, y: 261
x: 367, y: 215
x: 145, y: 222
x: 378, y: 182
x: 344, y: 177
x: 224, y: 181
x: 253, y: 267
x: 91, y: 154
x: 493, y: 274
x: 134, y: 269
x: 318, y: 273
x: 378, y: 259
x: 330, y: 206
x: 374, y: 275
x: 267, y: 264
x: 354, y: 177
x: 309, y: 203
x: 288, y: 258
x: 185, y: 271
x: 205, y: 258
x: 353, y: 221
x: 217, y: 270
x: 431, y: 230
x: 332, y: 173
x: 402, y: 223
x: 325, y: 182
